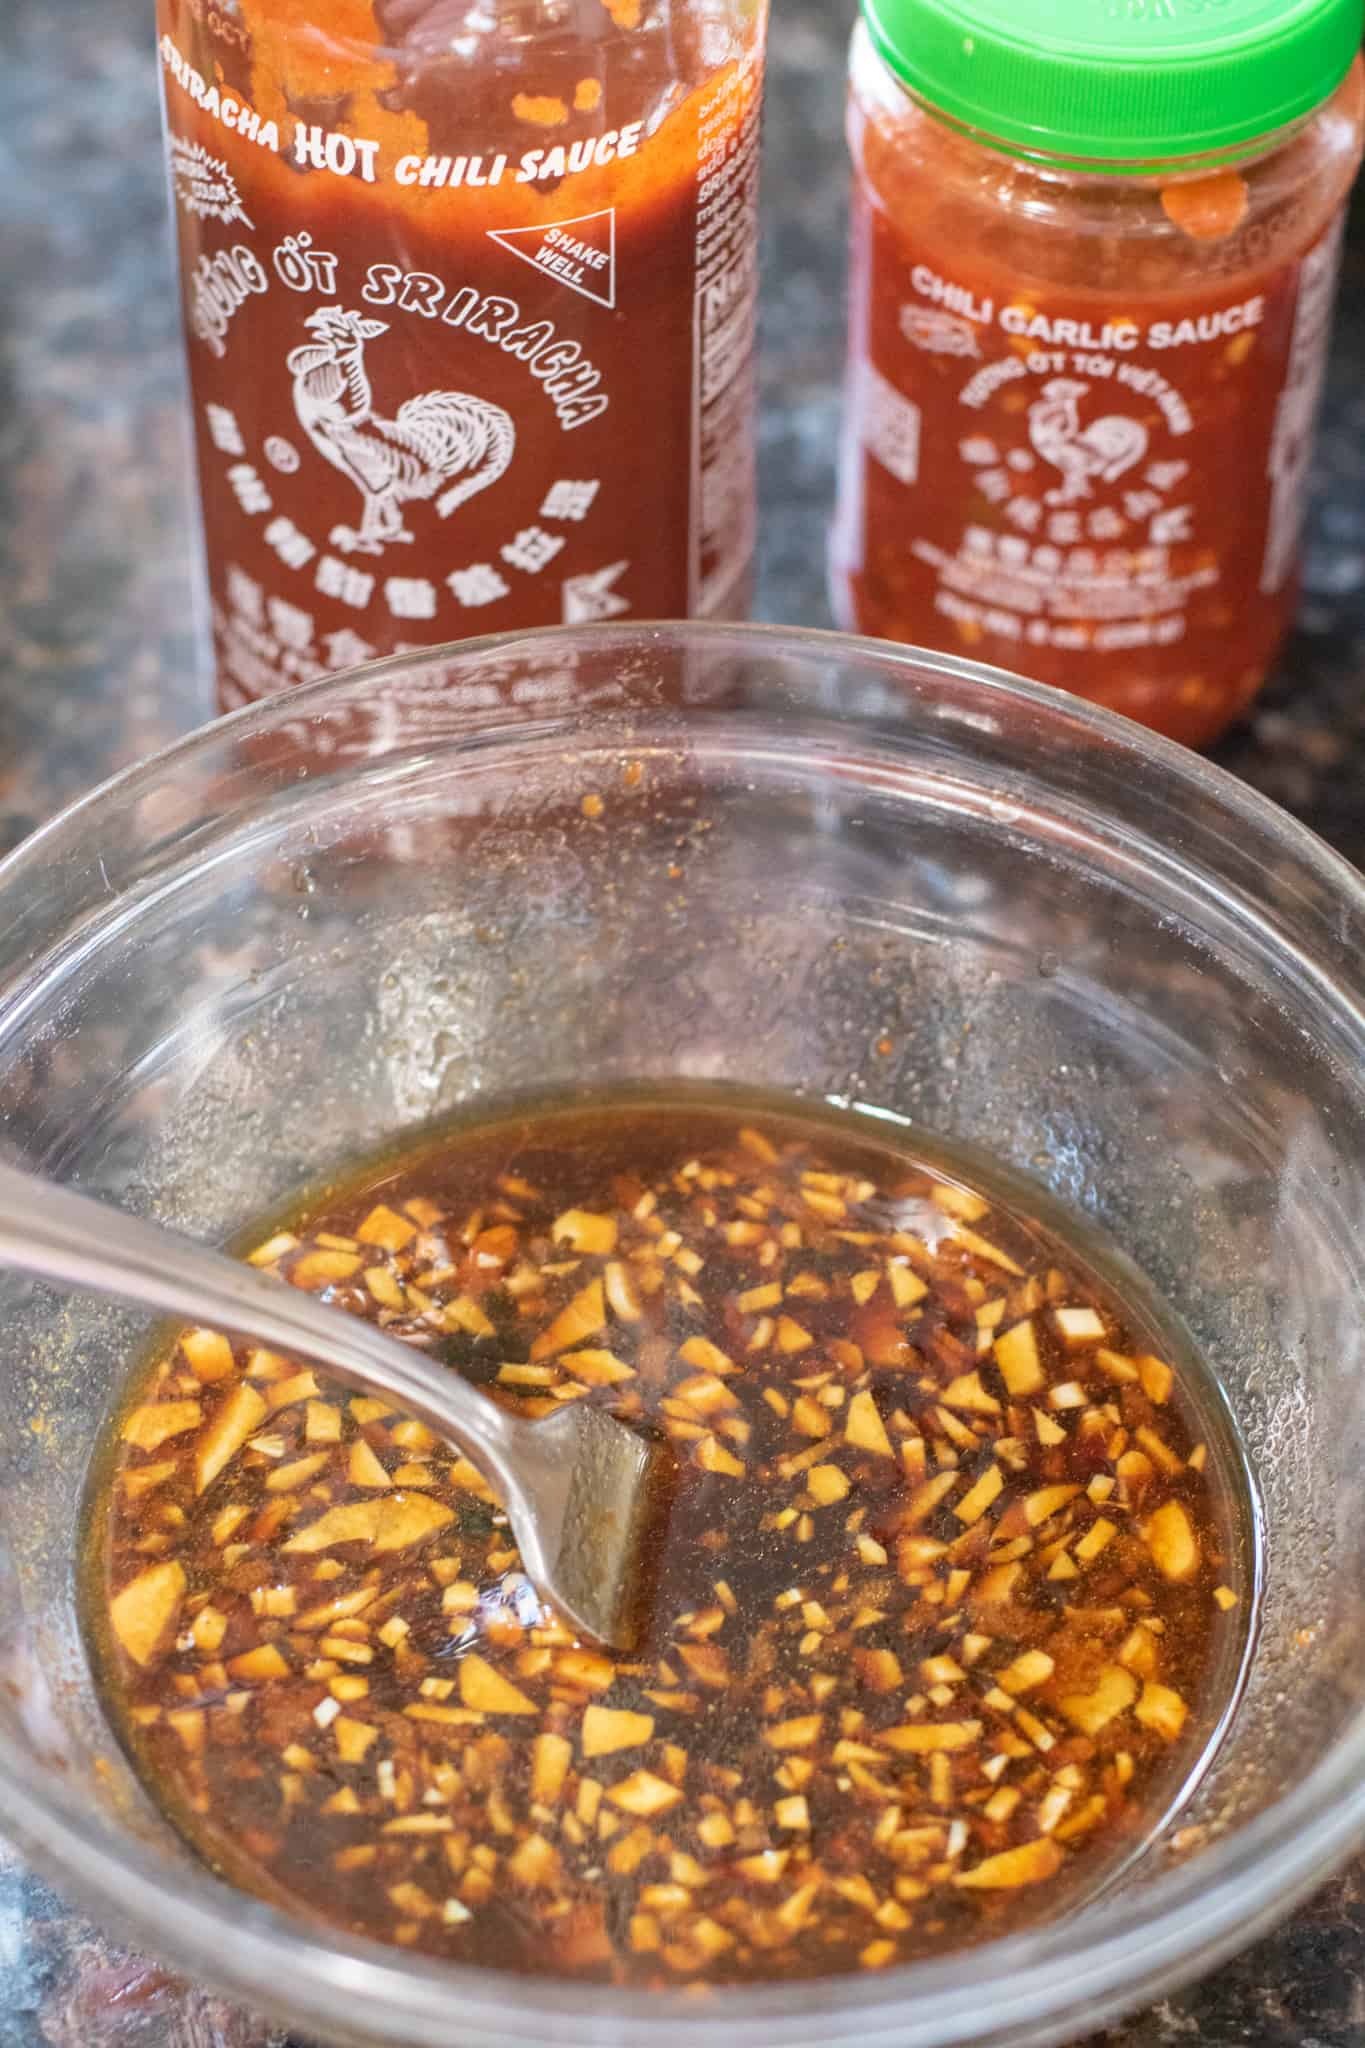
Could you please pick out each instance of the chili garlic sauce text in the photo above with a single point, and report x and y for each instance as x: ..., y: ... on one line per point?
x: 953, y: 1597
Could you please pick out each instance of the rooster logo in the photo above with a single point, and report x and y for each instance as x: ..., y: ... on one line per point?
x: 441, y: 441
x: 1105, y: 450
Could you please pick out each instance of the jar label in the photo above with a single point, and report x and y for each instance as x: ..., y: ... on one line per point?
x: 1106, y: 493
x: 443, y: 394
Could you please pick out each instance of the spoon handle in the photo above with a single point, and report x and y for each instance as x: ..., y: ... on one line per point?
x: 58, y: 1235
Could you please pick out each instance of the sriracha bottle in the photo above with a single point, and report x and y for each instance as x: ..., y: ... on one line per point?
x: 469, y: 293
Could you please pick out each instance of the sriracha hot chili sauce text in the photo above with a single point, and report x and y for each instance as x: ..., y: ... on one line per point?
x: 1095, y: 254
x: 469, y: 302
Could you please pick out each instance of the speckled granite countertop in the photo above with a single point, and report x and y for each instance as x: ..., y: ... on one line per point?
x: 96, y: 669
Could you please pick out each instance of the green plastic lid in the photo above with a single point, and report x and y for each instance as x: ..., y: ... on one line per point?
x: 1104, y: 80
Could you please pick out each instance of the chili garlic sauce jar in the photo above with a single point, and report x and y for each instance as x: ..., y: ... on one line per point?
x: 1095, y: 251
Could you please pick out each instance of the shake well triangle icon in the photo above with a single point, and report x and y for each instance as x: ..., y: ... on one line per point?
x: 579, y: 254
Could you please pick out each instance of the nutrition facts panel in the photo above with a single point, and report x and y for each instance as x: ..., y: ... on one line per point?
x: 726, y: 304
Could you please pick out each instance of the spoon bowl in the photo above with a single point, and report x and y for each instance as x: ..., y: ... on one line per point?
x: 583, y: 1493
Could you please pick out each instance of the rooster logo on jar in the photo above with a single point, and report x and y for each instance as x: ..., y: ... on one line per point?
x: 1104, y: 451
x: 440, y: 441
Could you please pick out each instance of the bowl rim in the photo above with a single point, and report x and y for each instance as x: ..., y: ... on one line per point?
x: 1020, y: 1990
x: 1059, y: 706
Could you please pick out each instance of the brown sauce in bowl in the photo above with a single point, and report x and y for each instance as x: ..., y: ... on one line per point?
x: 954, y: 1597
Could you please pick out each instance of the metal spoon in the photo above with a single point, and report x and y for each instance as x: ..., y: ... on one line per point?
x: 583, y: 1493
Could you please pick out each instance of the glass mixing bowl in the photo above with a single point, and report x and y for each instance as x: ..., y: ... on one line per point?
x: 843, y: 869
